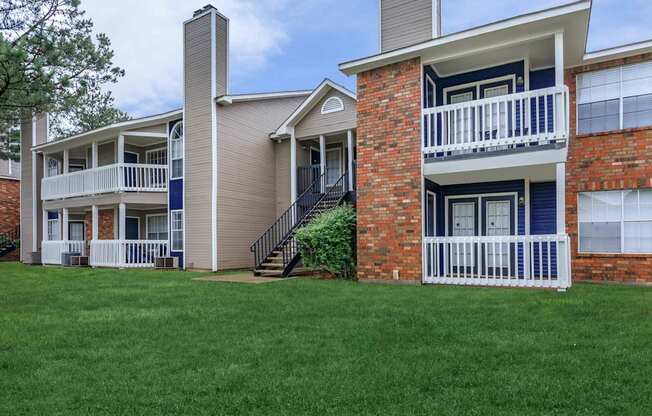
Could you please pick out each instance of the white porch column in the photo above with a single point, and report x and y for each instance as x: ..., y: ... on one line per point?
x: 45, y: 225
x: 560, y: 102
x: 94, y: 225
x: 66, y: 161
x: 349, y: 145
x: 526, y: 250
x: 122, y: 227
x: 293, y: 167
x: 121, y: 149
x: 64, y: 224
x: 322, y: 160
x: 561, y: 198
x: 45, y: 165
x: 94, y: 162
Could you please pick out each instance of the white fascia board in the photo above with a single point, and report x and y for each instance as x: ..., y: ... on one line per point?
x: 398, y: 55
x: 230, y: 99
x: 618, y: 52
x: 316, y: 95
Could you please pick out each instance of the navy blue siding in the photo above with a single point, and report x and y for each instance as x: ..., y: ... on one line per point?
x: 53, y: 215
x: 543, y: 78
x: 175, y: 199
x: 543, y: 208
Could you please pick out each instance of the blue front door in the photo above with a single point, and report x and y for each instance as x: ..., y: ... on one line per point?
x: 132, y: 230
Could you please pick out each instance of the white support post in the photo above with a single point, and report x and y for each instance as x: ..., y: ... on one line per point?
x: 94, y: 223
x: 45, y: 165
x: 293, y: 166
x: 559, y: 112
x: 322, y: 161
x: 563, y: 251
x: 526, y: 247
x: 64, y: 224
x: 66, y: 161
x: 122, y: 227
x: 45, y: 225
x: 349, y: 145
x: 94, y: 155
x: 121, y: 149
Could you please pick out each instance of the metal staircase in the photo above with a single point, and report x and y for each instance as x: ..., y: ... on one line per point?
x: 276, y: 252
x: 9, y: 241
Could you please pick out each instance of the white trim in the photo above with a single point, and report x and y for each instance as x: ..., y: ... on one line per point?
x: 526, y: 194
x: 380, y: 26
x: 230, y: 99
x: 436, y: 19
x: 340, y: 105
x: 560, y: 169
x: 422, y: 177
x: 143, y: 134
x: 359, y: 65
x: 618, y: 51
x: 183, y: 151
x: 158, y: 149
x: 478, y: 85
x: 125, y: 231
x: 433, y: 84
x: 183, y: 230
x: 434, y: 214
x: 183, y: 163
x: 214, y: 166
x: 339, y: 149
x: 479, y: 198
x: 147, y: 217
x: 293, y: 167
x: 349, y: 149
x: 35, y: 182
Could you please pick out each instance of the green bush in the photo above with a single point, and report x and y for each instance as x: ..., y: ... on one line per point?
x: 328, y: 242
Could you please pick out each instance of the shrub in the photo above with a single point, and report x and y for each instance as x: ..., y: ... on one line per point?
x: 328, y: 242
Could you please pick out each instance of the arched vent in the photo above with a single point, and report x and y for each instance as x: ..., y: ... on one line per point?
x: 332, y: 105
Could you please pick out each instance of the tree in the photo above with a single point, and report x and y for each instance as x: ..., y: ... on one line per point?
x: 49, y: 59
x: 9, y: 142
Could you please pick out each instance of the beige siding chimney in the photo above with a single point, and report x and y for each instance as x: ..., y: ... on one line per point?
x: 205, y: 73
x: 407, y: 22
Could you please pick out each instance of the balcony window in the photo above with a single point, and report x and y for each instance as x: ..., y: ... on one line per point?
x: 176, y: 151
x: 614, y: 98
x: 53, y: 167
x: 157, y: 227
x: 176, y: 228
x: 615, y: 221
x: 157, y: 157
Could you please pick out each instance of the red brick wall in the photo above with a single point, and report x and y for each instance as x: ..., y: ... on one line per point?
x: 601, y: 162
x: 389, y: 173
x: 105, y: 228
x: 9, y: 205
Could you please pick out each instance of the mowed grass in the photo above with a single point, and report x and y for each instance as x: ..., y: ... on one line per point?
x: 109, y: 342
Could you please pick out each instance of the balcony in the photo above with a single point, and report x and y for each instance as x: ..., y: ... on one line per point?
x: 530, y: 120
x: 108, y: 253
x: 119, y: 177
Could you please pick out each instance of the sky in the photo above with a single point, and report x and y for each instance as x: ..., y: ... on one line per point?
x: 279, y: 45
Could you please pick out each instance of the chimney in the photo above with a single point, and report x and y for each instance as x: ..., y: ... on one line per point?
x: 404, y: 23
x: 205, y: 78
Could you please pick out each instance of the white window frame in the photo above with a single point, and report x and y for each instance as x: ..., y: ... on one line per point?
x: 147, y: 218
x: 623, y: 221
x: 434, y: 213
x: 56, y: 166
x: 54, y: 225
x: 182, y: 230
x: 181, y: 138
x: 430, y: 84
x: 479, y: 198
x: 339, y: 149
x: 157, y: 150
x: 477, y: 85
x: 621, y: 99
x: 83, y: 224
x: 336, y: 109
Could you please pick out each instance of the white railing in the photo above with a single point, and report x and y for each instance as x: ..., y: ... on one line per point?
x: 523, y: 261
x: 128, y: 253
x: 52, y: 250
x: 523, y: 119
x: 106, y: 179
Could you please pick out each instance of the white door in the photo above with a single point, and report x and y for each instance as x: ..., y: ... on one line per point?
x: 462, y: 128
x: 497, y: 120
x: 463, y: 225
x: 498, y: 222
x: 333, y: 165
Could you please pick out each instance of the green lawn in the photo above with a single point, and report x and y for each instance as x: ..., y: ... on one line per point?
x: 100, y: 342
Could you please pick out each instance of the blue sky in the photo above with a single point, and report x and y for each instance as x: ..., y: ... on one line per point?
x: 288, y: 44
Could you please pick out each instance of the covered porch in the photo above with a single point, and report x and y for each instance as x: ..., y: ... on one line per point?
x: 122, y: 235
x: 497, y: 227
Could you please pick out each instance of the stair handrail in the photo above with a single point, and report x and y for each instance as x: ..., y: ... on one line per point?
x: 287, y: 221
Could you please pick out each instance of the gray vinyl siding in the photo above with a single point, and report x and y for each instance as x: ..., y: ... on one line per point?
x: 315, y: 123
x: 27, y: 184
x: 246, y: 175
x: 106, y: 154
x: 198, y: 141
x: 9, y: 169
x: 282, y: 173
x: 404, y: 22
x: 222, y: 34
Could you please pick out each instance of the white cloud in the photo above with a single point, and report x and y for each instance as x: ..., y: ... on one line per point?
x: 146, y: 36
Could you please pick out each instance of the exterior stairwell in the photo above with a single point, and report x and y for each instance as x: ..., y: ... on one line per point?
x: 9, y: 242
x: 276, y: 252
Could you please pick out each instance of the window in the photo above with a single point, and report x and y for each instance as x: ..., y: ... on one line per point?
x: 76, y: 231
x: 176, y: 226
x: 176, y: 151
x: 332, y: 105
x: 53, y: 229
x: 614, y: 98
x: 53, y: 167
x: 430, y: 98
x: 157, y: 227
x: 615, y: 221
x: 157, y: 157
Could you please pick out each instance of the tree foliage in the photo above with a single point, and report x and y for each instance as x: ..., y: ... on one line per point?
x: 328, y: 242
x: 50, y: 61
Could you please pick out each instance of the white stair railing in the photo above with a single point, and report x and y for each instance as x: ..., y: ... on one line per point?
x: 127, y: 177
x: 52, y: 250
x: 523, y: 119
x: 524, y: 261
x: 128, y: 253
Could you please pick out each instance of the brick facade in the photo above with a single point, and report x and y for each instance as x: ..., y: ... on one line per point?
x: 389, y: 176
x: 602, y: 162
x: 9, y: 205
x: 105, y: 228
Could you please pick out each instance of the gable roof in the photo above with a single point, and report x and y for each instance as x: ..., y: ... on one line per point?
x: 237, y: 98
x: 308, y: 104
x: 572, y: 18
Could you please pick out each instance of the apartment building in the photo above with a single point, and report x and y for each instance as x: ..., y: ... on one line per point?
x: 9, y: 208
